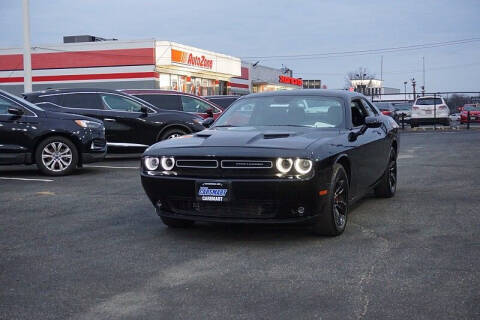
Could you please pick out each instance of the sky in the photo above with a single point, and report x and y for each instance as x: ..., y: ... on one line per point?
x: 271, y: 28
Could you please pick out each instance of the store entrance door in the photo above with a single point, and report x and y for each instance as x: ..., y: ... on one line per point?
x: 222, y: 87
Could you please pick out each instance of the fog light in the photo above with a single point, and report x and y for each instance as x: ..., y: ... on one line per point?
x: 159, y: 204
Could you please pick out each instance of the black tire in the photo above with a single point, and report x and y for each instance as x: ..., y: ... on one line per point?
x: 388, y: 183
x: 176, y: 223
x: 446, y: 123
x: 412, y: 124
x: 172, y: 133
x: 333, y: 220
x: 56, y: 156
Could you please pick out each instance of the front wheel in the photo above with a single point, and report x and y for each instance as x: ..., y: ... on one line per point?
x: 172, y: 133
x: 333, y: 220
x: 388, y: 183
x: 56, y: 156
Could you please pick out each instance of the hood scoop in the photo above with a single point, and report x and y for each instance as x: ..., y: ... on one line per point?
x: 203, y: 134
x: 276, y: 135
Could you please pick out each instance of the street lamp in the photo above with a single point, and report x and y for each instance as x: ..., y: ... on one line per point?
x: 413, y: 85
x: 405, y: 91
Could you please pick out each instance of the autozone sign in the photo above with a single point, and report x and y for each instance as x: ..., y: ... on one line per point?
x: 290, y: 80
x: 191, y: 59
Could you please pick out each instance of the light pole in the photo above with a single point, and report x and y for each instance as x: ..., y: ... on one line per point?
x: 413, y: 86
x: 405, y: 91
x: 27, y: 59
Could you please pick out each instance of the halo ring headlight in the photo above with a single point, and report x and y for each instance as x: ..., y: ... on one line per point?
x: 284, y: 165
x: 151, y: 163
x: 167, y: 163
x: 303, y: 166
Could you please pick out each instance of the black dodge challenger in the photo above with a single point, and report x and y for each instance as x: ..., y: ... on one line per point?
x: 279, y: 157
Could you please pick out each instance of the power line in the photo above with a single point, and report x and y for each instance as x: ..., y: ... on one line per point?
x: 365, y: 52
x: 398, y: 71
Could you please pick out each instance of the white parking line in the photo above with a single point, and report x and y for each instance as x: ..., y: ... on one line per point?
x: 112, y: 167
x: 26, y: 179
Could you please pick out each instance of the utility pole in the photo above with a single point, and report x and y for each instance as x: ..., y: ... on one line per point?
x: 27, y: 58
x: 405, y: 85
x: 423, y: 87
x: 381, y: 77
x: 413, y: 86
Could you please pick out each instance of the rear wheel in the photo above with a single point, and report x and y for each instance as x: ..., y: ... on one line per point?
x: 172, y: 133
x: 56, y: 156
x: 176, y: 223
x: 446, y: 122
x: 333, y: 220
x: 388, y: 184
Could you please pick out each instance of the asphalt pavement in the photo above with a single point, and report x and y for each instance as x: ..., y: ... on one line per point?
x: 90, y: 246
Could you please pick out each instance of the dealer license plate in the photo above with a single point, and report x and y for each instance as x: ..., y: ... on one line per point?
x: 218, y: 191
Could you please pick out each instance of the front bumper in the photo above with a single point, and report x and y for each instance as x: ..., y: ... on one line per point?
x: 251, y: 200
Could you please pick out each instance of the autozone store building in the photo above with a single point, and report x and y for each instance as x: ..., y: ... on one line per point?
x: 139, y: 64
x: 257, y: 78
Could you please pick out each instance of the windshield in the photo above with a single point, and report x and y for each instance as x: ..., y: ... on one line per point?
x: 22, y: 101
x: 471, y: 108
x: 402, y: 107
x: 304, y: 111
x: 383, y: 105
x: 428, y: 101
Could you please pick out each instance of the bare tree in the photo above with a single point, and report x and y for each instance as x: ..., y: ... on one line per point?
x: 360, y: 74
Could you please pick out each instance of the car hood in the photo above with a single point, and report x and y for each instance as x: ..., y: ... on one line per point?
x: 293, y: 138
x: 68, y: 116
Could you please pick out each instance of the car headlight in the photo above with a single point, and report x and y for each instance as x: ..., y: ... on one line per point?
x: 88, y: 124
x: 303, y: 166
x: 151, y: 163
x: 167, y: 163
x: 284, y: 165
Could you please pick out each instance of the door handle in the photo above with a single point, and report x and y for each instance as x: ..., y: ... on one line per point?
x: 109, y: 119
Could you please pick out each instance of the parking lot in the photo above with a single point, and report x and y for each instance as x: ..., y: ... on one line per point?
x: 90, y: 246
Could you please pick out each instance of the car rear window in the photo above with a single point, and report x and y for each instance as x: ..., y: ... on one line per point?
x: 428, y: 101
x: 162, y: 101
x: 223, y: 102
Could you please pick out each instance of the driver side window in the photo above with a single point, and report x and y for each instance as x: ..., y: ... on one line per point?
x: 4, y: 105
x: 119, y: 103
x: 358, y: 113
x: 195, y: 105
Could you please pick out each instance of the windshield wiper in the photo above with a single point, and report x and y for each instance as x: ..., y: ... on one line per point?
x: 286, y: 125
x: 225, y: 126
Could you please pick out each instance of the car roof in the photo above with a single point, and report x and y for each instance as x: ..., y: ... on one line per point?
x: 232, y: 96
x: 157, y: 91
x: 65, y: 90
x: 344, y: 94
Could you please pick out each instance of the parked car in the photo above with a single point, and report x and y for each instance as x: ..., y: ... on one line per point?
x: 222, y: 101
x: 387, y: 109
x: 403, y: 111
x: 180, y: 101
x: 454, y: 117
x: 429, y: 109
x: 299, y: 157
x: 474, y: 114
x: 129, y: 122
x: 56, y: 142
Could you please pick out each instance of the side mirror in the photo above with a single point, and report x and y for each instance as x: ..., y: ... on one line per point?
x: 370, y: 122
x: 15, y: 111
x: 373, y: 122
x: 144, y: 110
x: 207, y: 122
x: 209, y: 112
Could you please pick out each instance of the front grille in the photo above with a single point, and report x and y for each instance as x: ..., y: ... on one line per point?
x: 237, y: 209
x: 246, y: 164
x: 196, y: 163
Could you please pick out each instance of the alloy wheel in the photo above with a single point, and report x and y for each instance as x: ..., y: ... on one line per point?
x: 174, y: 135
x: 392, y: 173
x: 56, y: 156
x: 340, y: 203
